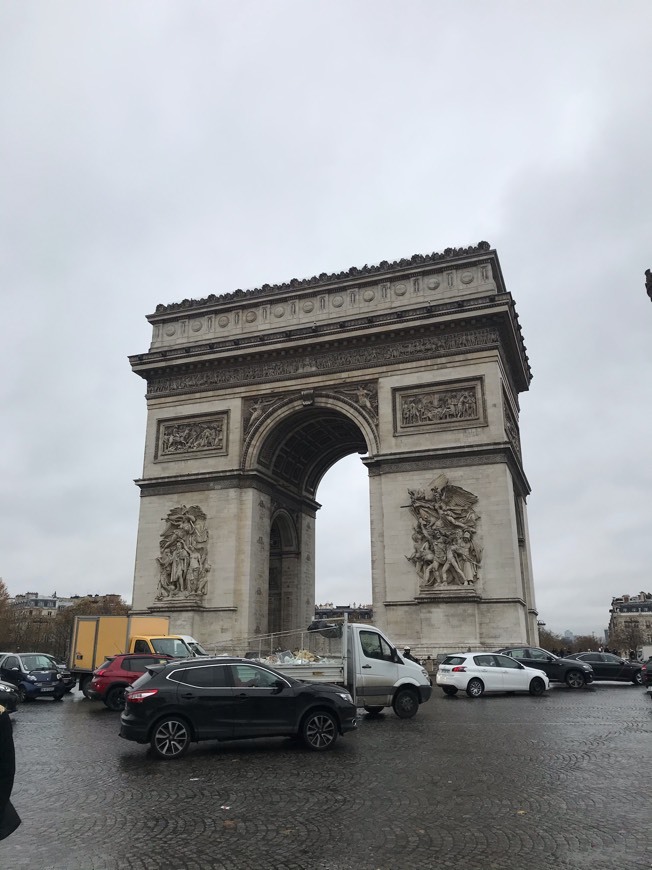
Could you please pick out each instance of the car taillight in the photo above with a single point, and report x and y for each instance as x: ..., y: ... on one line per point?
x: 140, y: 695
x: 459, y: 669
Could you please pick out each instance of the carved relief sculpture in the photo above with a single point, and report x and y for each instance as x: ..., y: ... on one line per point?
x: 365, y: 396
x: 444, y: 536
x: 191, y: 436
x: 183, y: 563
x: 446, y: 405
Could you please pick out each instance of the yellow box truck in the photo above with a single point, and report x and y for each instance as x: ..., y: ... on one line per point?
x: 96, y: 638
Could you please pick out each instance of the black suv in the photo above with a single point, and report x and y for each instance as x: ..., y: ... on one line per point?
x: 607, y: 666
x: 574, y: 673
x: 224, y: 698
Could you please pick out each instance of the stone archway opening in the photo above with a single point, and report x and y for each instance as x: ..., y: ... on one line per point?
x: 297, y: 450
x: 342, y: 535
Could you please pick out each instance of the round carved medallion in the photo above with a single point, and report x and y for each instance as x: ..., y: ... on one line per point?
x: 338, y: 301
x: 251, y: 316
x: 223, y: 321
x: 170, y: 329
x: 433, y: 283
x: 400, y: 290
x: 279, y: 311
x: 368, y: 295
x: 308, y: 306
x: 467, y: 277
x: 196, y: 325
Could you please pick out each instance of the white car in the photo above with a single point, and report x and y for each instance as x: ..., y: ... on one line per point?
x: 480, y: 672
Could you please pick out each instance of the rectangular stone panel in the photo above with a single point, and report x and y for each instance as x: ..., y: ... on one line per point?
x: 192, y: 437
x: 445, y: 405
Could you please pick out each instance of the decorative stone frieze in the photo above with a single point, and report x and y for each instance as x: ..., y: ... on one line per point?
x: 449, y: 405
x: 326, y: 361
x: 192, y: 437
x: 511, y: 427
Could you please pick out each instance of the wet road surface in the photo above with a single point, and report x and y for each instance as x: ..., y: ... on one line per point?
x: 502, y: 782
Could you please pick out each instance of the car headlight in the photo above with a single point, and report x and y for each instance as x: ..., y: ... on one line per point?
x: 59, y: 677
x: 31, y: 678
x: 425, y: 673
x: 346, y: 696
x: 587, y: 667
x: 5, y: 689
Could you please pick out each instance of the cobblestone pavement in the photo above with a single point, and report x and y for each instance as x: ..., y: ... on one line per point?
x: 497, y: 783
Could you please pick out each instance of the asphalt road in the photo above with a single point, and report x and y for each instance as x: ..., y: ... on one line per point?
x: 497, y: 783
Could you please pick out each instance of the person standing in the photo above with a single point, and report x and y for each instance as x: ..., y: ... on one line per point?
x: 9, y: 818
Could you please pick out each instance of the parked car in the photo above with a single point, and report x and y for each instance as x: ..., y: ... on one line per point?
x: 575, y: 674
x: 227, y: 698
x: 116, y: 674
x: 8, y: 697
x: 67, y: 678
x: 607, y: 666
x: 478, y: 672
x: 33, y: 674
x: 646, y: 675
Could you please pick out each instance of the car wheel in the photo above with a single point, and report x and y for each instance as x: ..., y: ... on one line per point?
x: 170, y: 738
x: 405, y: 704
x: 22, y: 694
x: 537, y: 686
x: 638, y: 679
x: 449, y: 690
x: 475, y: 688
x: 319, y: 730
x: 115, y: 698
x: 374, y: 711
x: 575, y: 680
x: 84, y: 683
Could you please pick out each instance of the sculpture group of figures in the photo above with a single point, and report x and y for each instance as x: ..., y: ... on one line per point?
x: 183, y: 563
x: 436, y: 407
x: 445, y: 552
x: 182, y: 438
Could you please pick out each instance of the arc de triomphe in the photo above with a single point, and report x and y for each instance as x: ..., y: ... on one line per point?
x: 253, y: 395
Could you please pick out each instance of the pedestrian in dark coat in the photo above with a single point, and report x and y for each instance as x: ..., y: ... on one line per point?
x: 9, y: 818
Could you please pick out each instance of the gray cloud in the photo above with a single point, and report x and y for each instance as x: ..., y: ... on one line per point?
x: 156, y: 152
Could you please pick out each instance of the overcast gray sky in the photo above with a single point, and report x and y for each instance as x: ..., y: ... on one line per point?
x: 160, y: 150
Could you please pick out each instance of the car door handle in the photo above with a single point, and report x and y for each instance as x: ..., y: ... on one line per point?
x: 366, y: 666
x: 188, y: 695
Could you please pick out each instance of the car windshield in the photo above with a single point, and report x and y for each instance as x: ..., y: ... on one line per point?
x: 170, y: 646
x: 37, y: 663
x: 197, y: 648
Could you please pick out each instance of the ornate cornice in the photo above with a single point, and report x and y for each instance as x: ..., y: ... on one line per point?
x: 449, y: 254
x: 304, y: 362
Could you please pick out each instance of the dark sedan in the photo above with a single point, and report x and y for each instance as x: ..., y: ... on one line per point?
x: 607, y: 666
x: 575, y: 674
x: 172, y: 705
x: 646, y: 674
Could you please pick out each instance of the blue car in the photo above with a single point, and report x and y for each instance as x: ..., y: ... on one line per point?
x: 34, y: 675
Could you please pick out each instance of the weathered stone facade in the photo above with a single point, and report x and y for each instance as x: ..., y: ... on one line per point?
x: 252, y: 396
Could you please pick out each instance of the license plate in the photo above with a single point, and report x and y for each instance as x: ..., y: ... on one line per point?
x: 49, y: 689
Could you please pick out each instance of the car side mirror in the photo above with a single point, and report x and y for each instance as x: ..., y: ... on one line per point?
x: 279, y: 685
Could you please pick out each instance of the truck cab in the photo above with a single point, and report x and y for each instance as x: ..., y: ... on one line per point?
x: 176, y: 646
